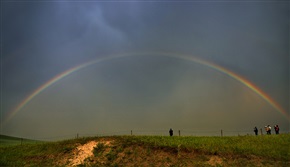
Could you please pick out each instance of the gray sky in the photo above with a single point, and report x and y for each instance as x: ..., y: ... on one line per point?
x: 148, y: 93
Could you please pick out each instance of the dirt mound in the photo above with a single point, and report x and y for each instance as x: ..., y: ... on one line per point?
x: 215, y: 160
x: 113, y: 152
x: 83, y: 152
x: 108, y: 153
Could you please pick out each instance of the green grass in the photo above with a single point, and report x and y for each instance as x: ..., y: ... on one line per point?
x: 274, y: 146
x: 268, y: 150
x: 37, y: 152
x: 9, y: 140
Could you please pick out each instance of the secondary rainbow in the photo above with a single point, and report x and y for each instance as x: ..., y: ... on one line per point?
x: 216, y: 67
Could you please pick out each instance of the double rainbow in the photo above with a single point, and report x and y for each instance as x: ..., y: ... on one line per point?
x: 216, y: 67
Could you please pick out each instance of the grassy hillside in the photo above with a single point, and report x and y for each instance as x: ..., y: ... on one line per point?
x: 9, y: 140
x: 153, y: 151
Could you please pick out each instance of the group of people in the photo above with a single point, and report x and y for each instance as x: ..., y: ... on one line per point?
x: 268, y: 129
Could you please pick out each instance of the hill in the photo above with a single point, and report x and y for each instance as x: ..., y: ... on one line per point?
x: 152, y: 151
x: 9, y: 140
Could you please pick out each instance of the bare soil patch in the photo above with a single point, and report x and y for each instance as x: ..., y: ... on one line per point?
x: 215, y: 160
x: 82, y: 152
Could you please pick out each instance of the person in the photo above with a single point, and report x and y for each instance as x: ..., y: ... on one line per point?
x: 269, y: 129
x: 276, y: 127
x: 256, y: 130
x: 170, y: 132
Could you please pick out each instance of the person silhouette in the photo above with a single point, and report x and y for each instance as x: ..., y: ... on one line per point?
x: 256, y: 130
x: 170, y: 132
x: 276, y: 127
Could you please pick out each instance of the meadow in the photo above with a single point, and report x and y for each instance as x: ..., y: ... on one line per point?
x: 9, y: 141
x: 266, y: 150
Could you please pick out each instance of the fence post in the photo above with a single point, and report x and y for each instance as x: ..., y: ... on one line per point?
x: 131, y: 133
x: 221, y: 133
x: 261, y: 131
x: 179, y: 132
x: 77, y: 135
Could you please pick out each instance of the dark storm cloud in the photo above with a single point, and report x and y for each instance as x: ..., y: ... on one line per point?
x: 43, y: 39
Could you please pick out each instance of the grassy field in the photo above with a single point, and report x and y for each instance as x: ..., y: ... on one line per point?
x: 264, y: 150
x: 9, y: 141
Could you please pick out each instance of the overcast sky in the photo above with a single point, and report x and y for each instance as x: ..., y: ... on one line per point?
x: 41, y: 39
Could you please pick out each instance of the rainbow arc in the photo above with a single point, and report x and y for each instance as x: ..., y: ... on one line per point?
x: 216, y: 67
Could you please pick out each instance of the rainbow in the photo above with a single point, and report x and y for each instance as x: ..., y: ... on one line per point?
x: 216, y: 67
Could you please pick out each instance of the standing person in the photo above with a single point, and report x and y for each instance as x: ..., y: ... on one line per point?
x: 276, y: 127
x: 170, y: 132
x: 256, y: 130
x: 269, y: 129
